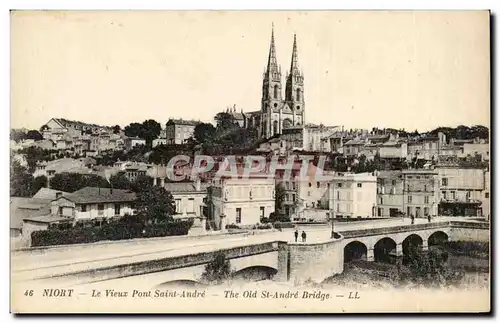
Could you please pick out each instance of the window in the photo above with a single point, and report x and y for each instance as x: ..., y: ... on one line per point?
x: 486, y: 195
x: 308, y: 193
x: 178, y: 205
x: 298, y: 95
x: 408, y: 210
x: 117, y: 209
x: 418, y: 177
x: 190, y: 207
x: 425, y: 188
x: 381, y: 201
x: 338, y: 195
x: 100, y: 209
x: 453, y: 195
x: 360, y: 184
x: 275, y: 91
x: 317, y: 184
x: 382, y: 181
x: 262, y: 210
x: 238, y: 215
x: 338, y: 207
x: 426, y: 211
x: 444, y: 181
x: 426, y: 200
x: 60, y: 211
x: 409, y: 199
x: 339, y: 185
x: 293, y: 197
x: 444, y: 195
x: 310, y: 184
x: 84, y: 208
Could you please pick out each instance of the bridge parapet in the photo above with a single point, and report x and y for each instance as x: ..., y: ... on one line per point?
x: 395, y: 229
x: 163, y: 264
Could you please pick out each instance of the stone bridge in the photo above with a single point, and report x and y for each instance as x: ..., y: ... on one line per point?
x: 379, y: 243
x: 284, y: 261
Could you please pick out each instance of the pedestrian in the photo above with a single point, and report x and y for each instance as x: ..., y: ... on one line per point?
x: 412, y: 219
x: 296, y: 235
x: 304, y: 236
x: 429, y: 218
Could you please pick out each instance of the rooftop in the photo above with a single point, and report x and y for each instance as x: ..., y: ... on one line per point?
x: 88, y: 195
x: 183, y: 122
x: 184, y: 187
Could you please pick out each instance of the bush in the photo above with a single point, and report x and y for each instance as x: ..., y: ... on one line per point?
x: 233, y: 226
x: 283, y: 225
x: 218, y: 270
x: 262, y: 226
x: 274, y: 217
x: 125, y: 228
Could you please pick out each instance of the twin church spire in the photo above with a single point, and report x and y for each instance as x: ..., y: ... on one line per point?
x: 273, y: 69
x: 278, y: 113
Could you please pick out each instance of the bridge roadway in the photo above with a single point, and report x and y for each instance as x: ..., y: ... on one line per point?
x: 35, y: 264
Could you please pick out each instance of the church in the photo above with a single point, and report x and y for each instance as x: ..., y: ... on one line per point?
x: 277, y: 112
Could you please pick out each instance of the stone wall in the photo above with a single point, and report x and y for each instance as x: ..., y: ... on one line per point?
x: 315, y: 261
x: 469, y: 234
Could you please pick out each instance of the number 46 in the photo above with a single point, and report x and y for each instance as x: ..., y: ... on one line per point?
x: 28, y: 292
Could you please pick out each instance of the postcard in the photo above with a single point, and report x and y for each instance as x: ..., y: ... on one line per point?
x: 250, y: 162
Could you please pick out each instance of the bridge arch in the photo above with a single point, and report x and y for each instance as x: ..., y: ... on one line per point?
x: 355, y: 250
x: 437, y: 238
x: 411, y: 245
x: 255, y: 273
x: 384, y: 250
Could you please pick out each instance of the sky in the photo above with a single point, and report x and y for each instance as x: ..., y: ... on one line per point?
x: 412, y: 70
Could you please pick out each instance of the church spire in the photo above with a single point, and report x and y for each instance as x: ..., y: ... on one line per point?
x: 294, y: 66
x: 272, y: 64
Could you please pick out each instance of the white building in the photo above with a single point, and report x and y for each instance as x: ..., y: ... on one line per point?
x: 353, y: 195
x: 242, y: 201
x: 89, y: 203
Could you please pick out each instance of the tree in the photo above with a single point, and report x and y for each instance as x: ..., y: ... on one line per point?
x: 34, y: 134
x: 120, y: 181
x: 17, y: 135
x: 150, y: 131
x: 225, y: 121
x: 116, y: 129
x: 155, y: 204
x: 38, y: 183
x: 71, y: 182
x: 142, y: 183
x: 279, y: 196
x: 20, y: 180
x: 133, y: 130
x: 218, y: 270
x: 204, y: 132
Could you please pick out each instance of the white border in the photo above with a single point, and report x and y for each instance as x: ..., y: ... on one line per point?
x: 190, y: 5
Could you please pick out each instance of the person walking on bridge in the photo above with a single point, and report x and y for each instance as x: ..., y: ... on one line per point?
x: 304, y: 236
x: 429, y: 218
x: 296, y: 235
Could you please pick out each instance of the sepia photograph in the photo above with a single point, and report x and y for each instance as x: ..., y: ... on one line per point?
x: 278, y: 162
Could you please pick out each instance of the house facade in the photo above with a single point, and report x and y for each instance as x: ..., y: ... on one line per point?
x: 242, y: 201
x: 353, y: 195
x: 178, y: 131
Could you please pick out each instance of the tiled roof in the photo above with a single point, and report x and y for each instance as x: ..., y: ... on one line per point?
x: 47, y: 193
x: 183, y: 122
x: 100, y: 195
x: 25, y: 207
x: 184, y: 187
x: 355, y: 142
